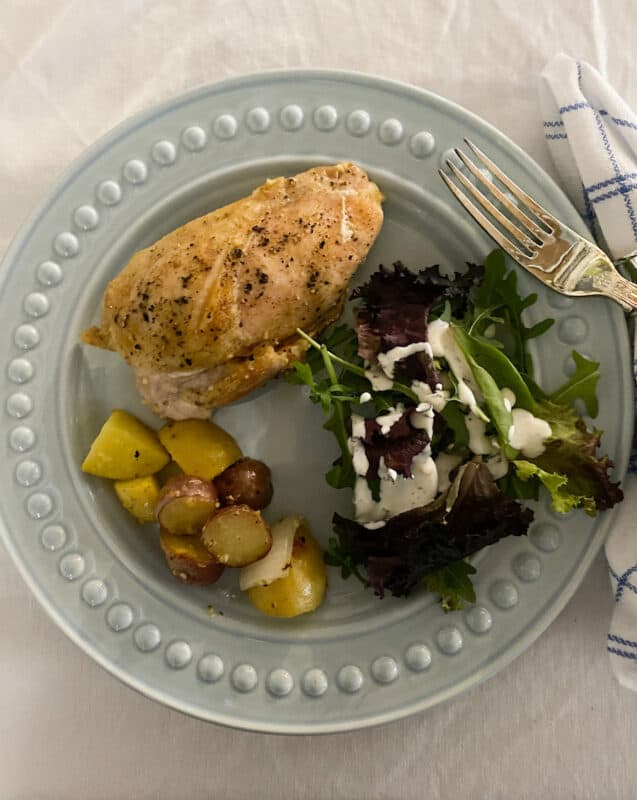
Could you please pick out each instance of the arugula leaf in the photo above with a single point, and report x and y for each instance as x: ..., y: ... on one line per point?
x: 336, y: 556
x: 341, y: 476
x: 582, y: 384
x: 454, y: 418
x: 301, y: 374
x: 453, y: 584
x: 497, y: 299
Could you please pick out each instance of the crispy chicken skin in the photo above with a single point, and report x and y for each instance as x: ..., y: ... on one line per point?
x: 210, y: 311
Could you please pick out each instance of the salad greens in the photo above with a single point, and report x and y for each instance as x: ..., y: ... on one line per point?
x: 482, y: 310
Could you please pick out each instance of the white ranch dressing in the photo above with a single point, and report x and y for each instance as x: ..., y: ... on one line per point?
x: 390, y: 418
x: 497, y: 465
x: 437, y: 399
x: 360, y: 461
x: 445, y: 464
x: 508, y: 398
x: 358, y: 426
x: 528, y: 433
x: 386, y: 473
x: 478, y: 440
x: 407, y: 493
x: 401, y: 494
x: 422, y: 417
x: 379, y: 381
x: 443, y: 345
x: 490, y: 331
x: 389, y: 359
x: 367, y: 509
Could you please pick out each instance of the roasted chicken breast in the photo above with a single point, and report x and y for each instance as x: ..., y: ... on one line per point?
x: 210, y: 311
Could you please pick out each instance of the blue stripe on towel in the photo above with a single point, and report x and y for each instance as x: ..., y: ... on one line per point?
x: 553, y: 123
x: 555, y: 136
x: 624, y: 189
x: 574, y: 107
x: 625, y: 642
x: 624, y: 583
x: 625, y: 123
x: 622, y: 653
x: 595, y: 187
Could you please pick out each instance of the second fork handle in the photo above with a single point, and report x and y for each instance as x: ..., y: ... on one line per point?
x: 622, y: 290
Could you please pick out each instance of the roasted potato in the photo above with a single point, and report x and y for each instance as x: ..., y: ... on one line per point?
x: 302, y: 589
x: 199, y: 447
x: 171, y: 470
x: 188, y: 559
x: 184, y: 504
x: 236, y: 536
x: 124, y: 449
x: 246, y: 482
x: 139, y: 496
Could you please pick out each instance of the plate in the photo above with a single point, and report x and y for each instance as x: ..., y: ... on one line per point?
x: 358, y: 661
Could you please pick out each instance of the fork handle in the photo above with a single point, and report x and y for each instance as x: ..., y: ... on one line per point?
x: 621, y: 290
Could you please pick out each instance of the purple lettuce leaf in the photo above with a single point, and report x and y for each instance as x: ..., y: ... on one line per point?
x: 396, y: 305
x: 397, y: 447
x: 416, y: 543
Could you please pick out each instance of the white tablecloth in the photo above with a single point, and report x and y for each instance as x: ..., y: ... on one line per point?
x: 554, y: 724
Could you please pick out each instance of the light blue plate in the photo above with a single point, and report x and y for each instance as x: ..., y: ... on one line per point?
x: 357, y: 661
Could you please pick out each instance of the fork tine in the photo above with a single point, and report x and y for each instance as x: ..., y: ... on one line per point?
x: 515, y: 190
x: 505, y: 243
x: 528, y: 223
x: 519, y: 236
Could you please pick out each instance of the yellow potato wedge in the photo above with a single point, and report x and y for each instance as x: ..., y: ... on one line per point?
x: 188, y: 559
x: 236, y: 536
x: 199, y: 447
x: 139, y: 496
x: 124, y: 449
x: 303, y: 588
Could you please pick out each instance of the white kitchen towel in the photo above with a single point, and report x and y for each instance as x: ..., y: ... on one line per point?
x: 592, y: 137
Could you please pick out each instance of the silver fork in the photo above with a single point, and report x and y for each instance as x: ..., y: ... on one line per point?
x: 548, y: 249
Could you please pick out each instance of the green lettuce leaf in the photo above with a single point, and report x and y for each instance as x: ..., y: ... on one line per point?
x: 571, y: 453
x: 557, y: 485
